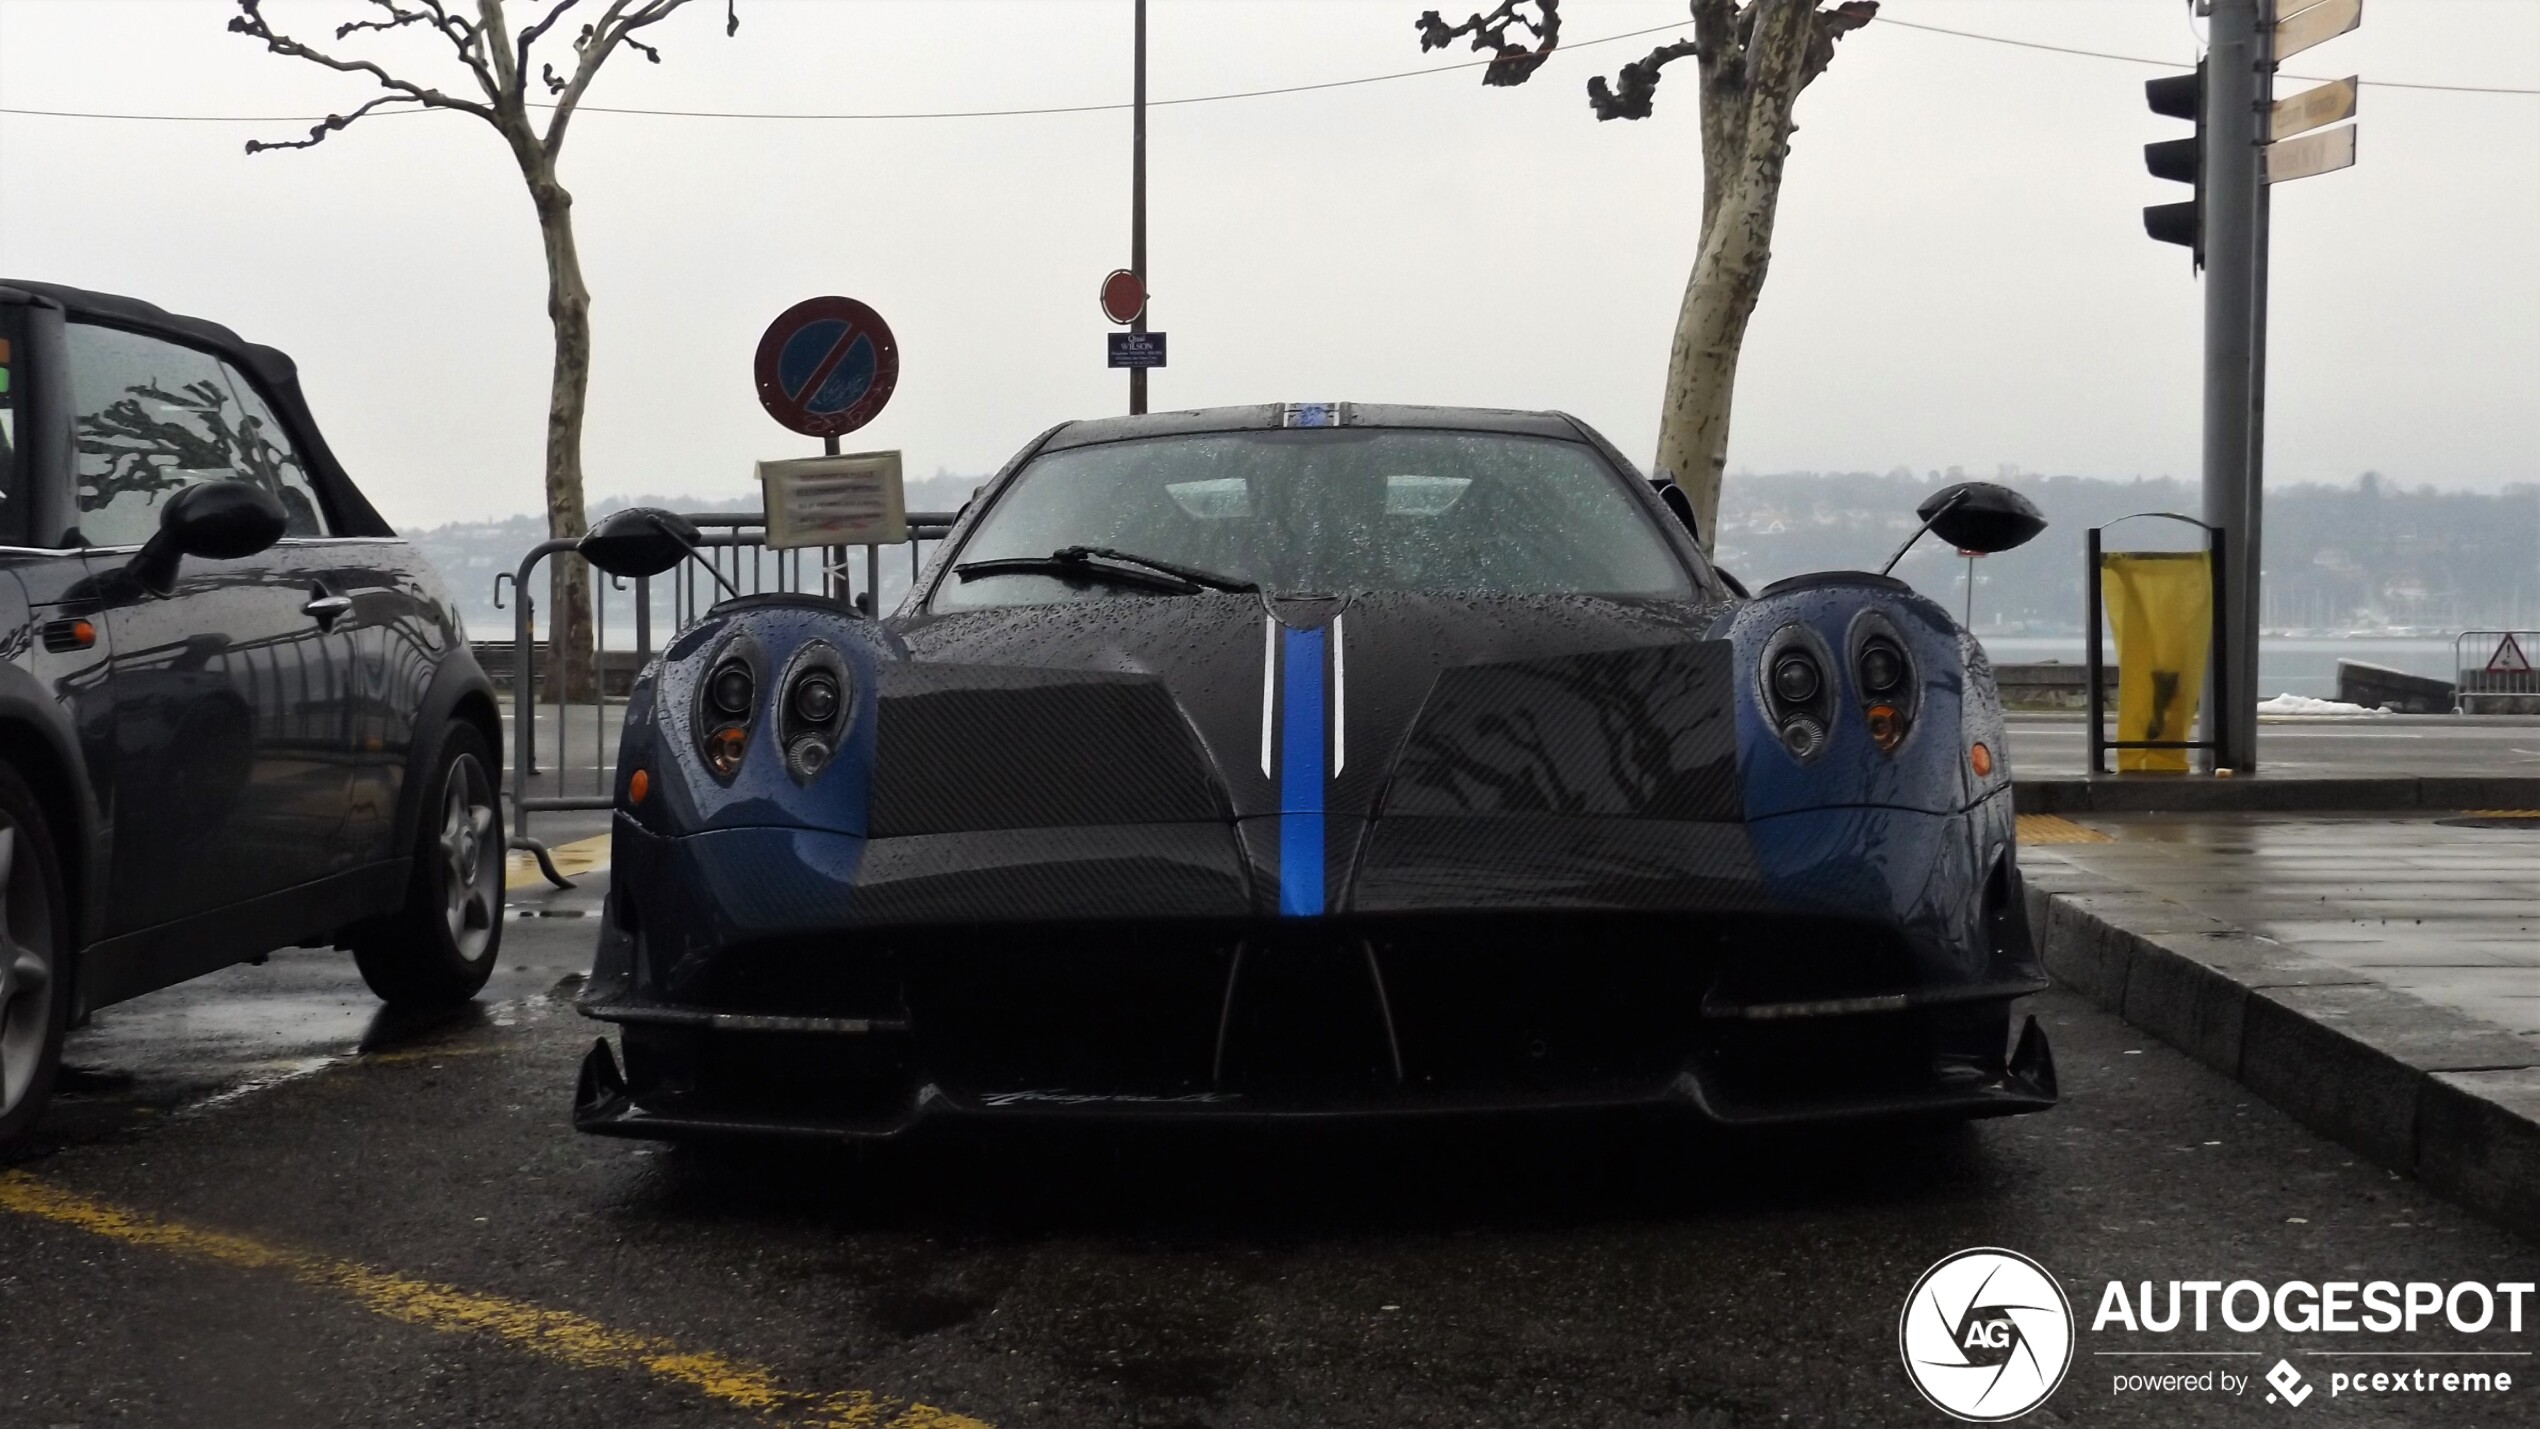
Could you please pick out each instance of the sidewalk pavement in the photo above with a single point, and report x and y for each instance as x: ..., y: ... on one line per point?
x: 2377, y: 977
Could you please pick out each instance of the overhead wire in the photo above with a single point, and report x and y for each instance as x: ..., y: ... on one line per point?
x: 1217, y: 98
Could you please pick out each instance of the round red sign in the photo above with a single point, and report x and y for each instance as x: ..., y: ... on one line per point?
x: 826, y: 366
x: 1124, y: 296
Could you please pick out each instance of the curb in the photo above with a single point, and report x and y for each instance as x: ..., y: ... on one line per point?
x: 2421, y: 1089
x: 2185, y: 794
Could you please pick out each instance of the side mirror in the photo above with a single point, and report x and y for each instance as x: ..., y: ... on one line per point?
x: 639, y: 541
x: 1980, y: 516
x: 1674, y: 499
x: 218, y: 521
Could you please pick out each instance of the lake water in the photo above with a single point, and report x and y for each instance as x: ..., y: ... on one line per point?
x: 2286, y: 665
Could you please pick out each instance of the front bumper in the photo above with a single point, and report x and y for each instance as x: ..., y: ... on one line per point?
x: 872, y: 1036
x: 787, y: 981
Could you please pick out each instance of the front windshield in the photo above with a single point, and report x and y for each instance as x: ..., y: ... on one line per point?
x: 1327, y: 511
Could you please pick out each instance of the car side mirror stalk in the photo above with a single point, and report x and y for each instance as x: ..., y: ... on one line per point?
x: 1974, y: 516
x: 217, y: 521
x: 644, y: 541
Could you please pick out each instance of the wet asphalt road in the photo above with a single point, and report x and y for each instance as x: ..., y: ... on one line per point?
x: 241, y: 1219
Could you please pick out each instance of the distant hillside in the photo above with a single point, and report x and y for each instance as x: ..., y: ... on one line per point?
x: 2366, y: 557
x: 2338, y: 558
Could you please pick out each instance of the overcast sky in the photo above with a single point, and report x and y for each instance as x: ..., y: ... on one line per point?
x: 1960, y: 273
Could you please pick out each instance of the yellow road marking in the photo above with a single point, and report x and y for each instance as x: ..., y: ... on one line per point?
x: 578, y: 857
x: 2056, y: 829
x: 2500, y: 813
x: 557, y: 1335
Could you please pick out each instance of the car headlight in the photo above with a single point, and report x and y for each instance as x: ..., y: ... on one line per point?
x: 1797, y: 693
x: 1884, y: 671
x: 816, y: 710
x: 727, y: 701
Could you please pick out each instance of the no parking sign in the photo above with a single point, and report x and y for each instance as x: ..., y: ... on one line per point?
x: 826, y: 366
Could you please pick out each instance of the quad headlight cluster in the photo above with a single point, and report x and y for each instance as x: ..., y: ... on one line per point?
x: 1800, y: 691
x: 814, y: 700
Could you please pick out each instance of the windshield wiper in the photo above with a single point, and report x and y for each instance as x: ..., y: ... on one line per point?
x: 1196, y: 575
x: 1105, y: 563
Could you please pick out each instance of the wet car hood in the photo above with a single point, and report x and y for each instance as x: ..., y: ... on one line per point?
x: 1228, y: 706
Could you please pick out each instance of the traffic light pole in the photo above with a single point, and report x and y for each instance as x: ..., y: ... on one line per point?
x: 2236, y: 42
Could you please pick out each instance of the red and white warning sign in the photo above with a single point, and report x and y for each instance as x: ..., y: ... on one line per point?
x: 2509, y: 658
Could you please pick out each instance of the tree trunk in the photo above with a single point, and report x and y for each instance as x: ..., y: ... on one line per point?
x: 1756, y: 63
x: 570, y: 662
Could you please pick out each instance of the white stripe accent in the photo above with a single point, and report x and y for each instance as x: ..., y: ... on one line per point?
x: 1340, y: 701
x: 1269, y: 684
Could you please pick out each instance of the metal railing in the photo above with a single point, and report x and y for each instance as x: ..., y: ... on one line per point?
x: 2485, y: 663
x: 734, y: 547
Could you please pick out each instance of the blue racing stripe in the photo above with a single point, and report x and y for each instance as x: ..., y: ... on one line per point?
x: 1301, y: 774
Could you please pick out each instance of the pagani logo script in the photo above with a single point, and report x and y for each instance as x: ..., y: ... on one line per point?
x: 1986, y: 1335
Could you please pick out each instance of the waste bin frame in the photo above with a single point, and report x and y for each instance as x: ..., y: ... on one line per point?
x: 2217, y: 689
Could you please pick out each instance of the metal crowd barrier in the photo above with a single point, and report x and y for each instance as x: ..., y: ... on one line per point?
x: 2484, y: 662
x: 734, y: 546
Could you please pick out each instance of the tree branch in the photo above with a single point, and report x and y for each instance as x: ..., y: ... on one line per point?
x: 319, y: 131
x: 1832, y: 25
x: 1636, y: 84
x: 1515, y: 63
x: 250, y: 21
x: 615, y: 26
x: 529, y: 36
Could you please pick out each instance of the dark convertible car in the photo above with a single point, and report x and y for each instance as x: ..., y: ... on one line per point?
x: 236, y: 712
x: 1312, y: 760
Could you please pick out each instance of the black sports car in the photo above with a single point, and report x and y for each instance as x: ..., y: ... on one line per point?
x: 1309, y: 760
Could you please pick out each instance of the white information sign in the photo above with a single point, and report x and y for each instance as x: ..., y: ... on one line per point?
x: 2320, y: 152
x: 851, y: 500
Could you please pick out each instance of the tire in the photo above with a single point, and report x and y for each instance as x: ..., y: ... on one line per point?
x: 35, y: 965
x: 438, y: 950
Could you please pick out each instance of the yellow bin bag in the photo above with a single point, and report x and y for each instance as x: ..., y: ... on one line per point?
x: 2161, y: 609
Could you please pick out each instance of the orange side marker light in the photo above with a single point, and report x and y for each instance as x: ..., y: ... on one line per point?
x: 1980, y: 759
x: 637, y: 786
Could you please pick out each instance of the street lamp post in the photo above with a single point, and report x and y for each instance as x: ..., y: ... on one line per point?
x: 1138, y: 200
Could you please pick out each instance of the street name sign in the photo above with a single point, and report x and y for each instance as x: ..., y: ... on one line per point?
x: 2328, y: 104
x: 2325, y: 21
x: 826, y: 366
x: 852, y: 500
x: 2320, y: 153
x: 1135, y: 349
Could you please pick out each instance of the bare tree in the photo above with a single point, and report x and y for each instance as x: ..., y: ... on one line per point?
x: 498, y: 60
x: 1754, y: 58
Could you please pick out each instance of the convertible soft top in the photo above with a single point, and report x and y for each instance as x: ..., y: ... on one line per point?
x: 272, y: 369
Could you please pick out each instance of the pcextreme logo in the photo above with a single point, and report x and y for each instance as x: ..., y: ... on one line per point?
x: 1986, y: 1335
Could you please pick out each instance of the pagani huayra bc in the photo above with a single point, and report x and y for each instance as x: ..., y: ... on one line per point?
x: 1315, y: 760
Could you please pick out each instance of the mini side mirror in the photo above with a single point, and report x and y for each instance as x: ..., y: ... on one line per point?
x: 1980, y: 516
x: 639, y: 541
x: 217, y: 521
x: 1678, y: 505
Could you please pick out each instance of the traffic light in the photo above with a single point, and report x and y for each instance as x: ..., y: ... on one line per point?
x: 2180, y: 96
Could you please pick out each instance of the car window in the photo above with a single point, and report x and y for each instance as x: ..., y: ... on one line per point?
x: 153, y: 417
x: 1330, y: 510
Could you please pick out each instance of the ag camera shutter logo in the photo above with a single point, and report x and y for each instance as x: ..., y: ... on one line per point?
x: 1986, y: 1335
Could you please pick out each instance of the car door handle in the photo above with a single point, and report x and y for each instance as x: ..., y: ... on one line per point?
x: 327, y: 608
